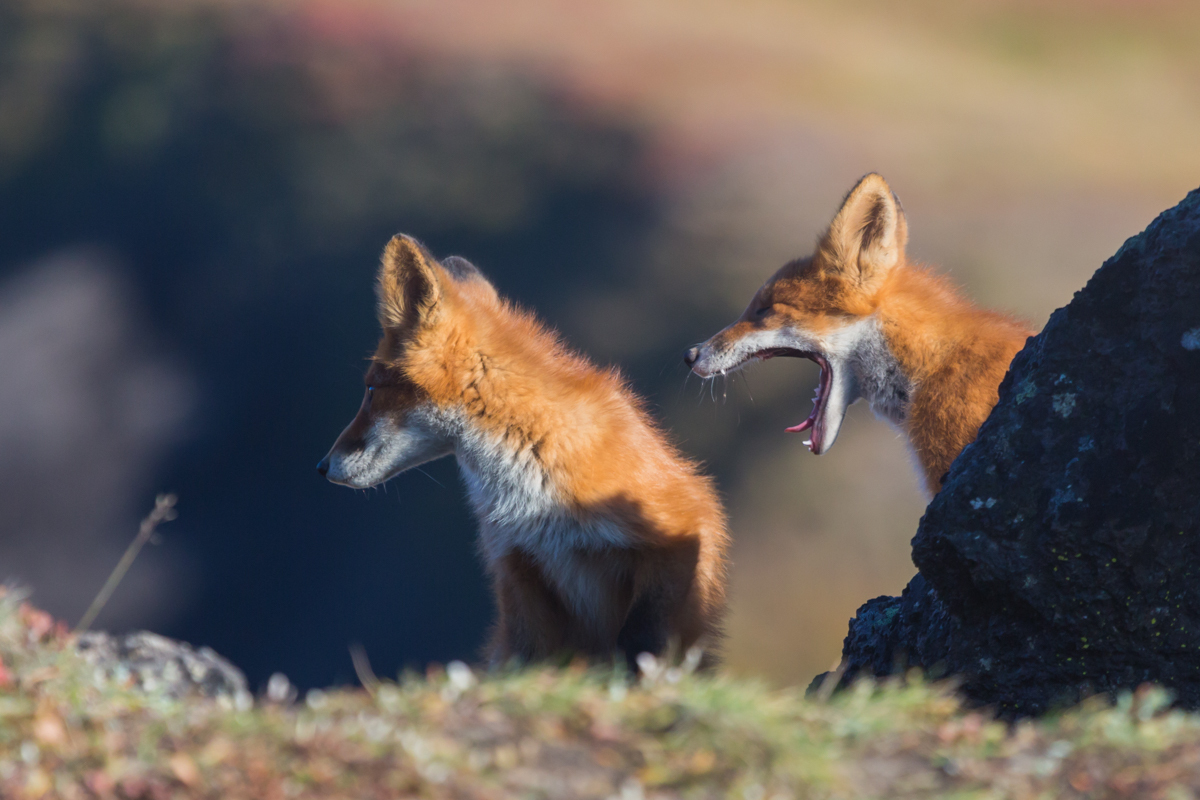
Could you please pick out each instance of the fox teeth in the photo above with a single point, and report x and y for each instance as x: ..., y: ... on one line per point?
x: 808, y: 442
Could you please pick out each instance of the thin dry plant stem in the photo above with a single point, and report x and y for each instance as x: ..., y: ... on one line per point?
x: 164, y: 511
x: 362, y: 668
x: 830, y: 684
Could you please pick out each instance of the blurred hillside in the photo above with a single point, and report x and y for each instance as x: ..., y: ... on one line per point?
x: 193, y: 196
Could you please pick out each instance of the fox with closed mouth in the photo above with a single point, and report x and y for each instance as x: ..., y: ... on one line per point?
x: 601, y: 539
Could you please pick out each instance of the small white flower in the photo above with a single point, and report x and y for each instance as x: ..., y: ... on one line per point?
x: 691, y: 661
x: 631, y: 790
x: 650, y: 667
x: 242, y: 701
x: 460, y: 675
x: 279, y: 688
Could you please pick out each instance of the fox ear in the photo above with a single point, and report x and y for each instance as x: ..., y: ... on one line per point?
x: 409, y: 290
x: 868, y: 236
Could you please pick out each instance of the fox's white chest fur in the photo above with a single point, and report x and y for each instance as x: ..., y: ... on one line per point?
x: 863, y: 365
x: 519, y: 508
x: 877, y: 373
x: 881, y: 380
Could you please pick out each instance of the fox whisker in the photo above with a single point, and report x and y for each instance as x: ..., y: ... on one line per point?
x: 427, y: 475
x: 746, y: 383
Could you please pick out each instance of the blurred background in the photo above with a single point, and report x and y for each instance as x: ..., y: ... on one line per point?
x: 194, y: 194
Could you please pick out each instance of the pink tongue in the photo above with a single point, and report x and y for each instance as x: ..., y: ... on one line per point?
x: 814, y: 443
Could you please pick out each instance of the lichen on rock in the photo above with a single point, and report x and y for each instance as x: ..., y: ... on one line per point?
x: 163, y: 666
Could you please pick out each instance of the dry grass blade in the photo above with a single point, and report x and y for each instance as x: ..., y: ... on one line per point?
x: 163, y: 511
x: 362, y: 668
x: 829, y: 685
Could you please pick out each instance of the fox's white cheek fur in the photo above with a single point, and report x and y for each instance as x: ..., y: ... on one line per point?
x: 389, y: 449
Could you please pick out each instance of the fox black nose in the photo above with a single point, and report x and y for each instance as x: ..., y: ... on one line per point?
x: 690, y: 356
x: 323, y: 466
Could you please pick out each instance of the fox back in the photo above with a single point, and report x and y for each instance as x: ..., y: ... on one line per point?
x: 880, y: 328
x: 599, y: 536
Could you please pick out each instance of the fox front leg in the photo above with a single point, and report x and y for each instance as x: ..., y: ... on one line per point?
x: 532, y: 622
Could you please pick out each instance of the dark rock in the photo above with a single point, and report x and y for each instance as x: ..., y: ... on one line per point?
x: 1062, y: 556
x: 163, y: 666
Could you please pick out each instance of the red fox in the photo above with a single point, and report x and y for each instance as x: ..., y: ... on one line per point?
x: 879, y: 327
x: 600, y: 538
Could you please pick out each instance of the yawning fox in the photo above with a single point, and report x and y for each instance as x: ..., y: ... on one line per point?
x: 879, y: 327
x: 599, y: 536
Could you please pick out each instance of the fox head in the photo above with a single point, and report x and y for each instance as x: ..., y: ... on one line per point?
x: 821, y: 308
x: 401, y: 424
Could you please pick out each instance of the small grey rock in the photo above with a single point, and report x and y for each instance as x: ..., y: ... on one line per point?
x: 163, y: 666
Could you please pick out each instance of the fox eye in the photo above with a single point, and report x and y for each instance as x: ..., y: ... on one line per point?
x: 370, y: 394
x: 762, y: 312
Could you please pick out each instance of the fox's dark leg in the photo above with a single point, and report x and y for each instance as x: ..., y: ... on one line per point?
x: 645, y: 629
x: 662, y: 615
x: 532, y: 622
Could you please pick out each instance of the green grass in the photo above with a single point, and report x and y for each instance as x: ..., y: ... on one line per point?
x: 66, y: 731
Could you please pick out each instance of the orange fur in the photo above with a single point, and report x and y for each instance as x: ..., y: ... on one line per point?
x: 955, y: 353
x: 634, y: 558
x: 859, y: 291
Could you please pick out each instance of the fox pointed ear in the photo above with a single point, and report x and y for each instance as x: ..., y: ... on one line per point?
x: 409, y: 289
x: 868, y: 236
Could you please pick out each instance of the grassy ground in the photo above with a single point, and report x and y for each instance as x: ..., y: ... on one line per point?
x: 66, y: 732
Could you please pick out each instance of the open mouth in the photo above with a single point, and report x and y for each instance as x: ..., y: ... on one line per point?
x: 816, y: 419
